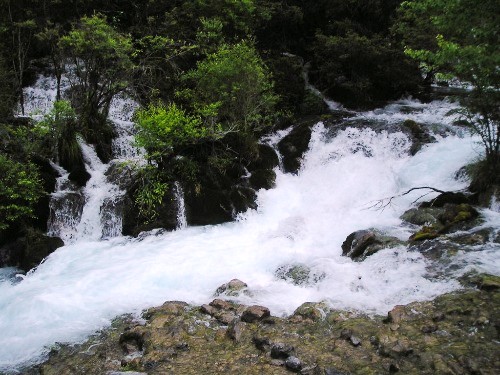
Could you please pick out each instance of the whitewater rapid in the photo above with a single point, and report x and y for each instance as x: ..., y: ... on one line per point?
x: 304, y: 220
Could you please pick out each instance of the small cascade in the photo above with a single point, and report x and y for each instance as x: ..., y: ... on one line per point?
x: 272, y: 140
x: 66, y: 206
x: 94, y: 212
x: 181, y: 208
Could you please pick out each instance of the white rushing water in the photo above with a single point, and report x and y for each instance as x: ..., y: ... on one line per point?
x: 304, y: 220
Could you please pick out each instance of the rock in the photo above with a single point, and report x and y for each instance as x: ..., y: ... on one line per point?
x: 235, y: 330
x: 298, y: 274
x: 266, y: 160
x: 481, y: 281
x: 261, y: 343
x: 446, y: 198
x: 347, y: 335
x: 397, y: 314
x: 242, y: 198
x: 131, y: 342
x: 133, y: 223
x: 277, y: 362
x: 314, y: 311
x: 79, y: 175
x: 27, y: 252
x: 232, y: 288
x: 363, y: 243
x: 263, y: 179
x: 419, y: 135
x: 293, y: 363
x: 208, y: 206
x: 255, y: 313
x: 294, y: 145
x: 280, y: 350
x: 422, y: 216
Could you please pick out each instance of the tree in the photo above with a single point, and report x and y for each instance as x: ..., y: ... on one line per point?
x: 20, y: 28
x: 464, y: 45
x: 235, y: 81
x: 102, y: 66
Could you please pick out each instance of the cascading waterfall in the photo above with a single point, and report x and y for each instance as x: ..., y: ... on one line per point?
x: 304, y: 220
x: 181, y: 208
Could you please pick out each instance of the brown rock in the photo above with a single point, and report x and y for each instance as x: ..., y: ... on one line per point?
x: 255, y: 313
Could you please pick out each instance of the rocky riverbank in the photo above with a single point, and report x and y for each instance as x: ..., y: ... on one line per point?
x: 456, y: 333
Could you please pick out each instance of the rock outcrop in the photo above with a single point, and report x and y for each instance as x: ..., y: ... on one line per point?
x: 454, y: 334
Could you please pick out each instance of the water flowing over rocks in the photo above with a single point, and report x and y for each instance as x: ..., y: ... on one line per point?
x: 455, y: 333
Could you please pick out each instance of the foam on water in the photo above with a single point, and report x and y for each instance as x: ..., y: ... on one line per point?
x: 304, y: 220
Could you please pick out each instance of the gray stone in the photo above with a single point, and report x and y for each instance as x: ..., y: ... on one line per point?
x: 293, y: 363
x: 232, y: 288
x: 281, y: 350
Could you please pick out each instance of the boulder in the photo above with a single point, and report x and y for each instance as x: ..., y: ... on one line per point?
x: 233, y: 288
x: 255, y: 313
x: 79, y: 175
x: 294, y: 145
x: 263, y: 179
x: 418, y: 134
x: 27, y: 252
x: 363, y: 243
x: 298, y: 274
x: 267, y: 158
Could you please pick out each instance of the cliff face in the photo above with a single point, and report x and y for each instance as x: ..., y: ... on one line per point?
x: 454, y: 334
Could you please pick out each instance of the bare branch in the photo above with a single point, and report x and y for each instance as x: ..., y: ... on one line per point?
x: 383, y: 203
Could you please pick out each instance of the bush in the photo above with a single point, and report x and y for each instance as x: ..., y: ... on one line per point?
x: 20, y: 189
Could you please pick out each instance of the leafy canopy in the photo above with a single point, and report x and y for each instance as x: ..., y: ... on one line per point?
x: 236, y: 82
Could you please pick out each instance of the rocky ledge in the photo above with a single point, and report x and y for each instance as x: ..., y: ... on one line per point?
x: 457, y: 333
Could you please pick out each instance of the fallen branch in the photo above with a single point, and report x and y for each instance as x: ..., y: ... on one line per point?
x: 383, y: 203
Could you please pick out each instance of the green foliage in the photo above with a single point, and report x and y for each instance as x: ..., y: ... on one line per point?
x: 150, y: 193
x: 464, y: 45
x: 163, y: 129
x: 7, y: 97
x: 57, y: 131
x: 235, y: 81
x: 20, y: 189
x: 101, y: 56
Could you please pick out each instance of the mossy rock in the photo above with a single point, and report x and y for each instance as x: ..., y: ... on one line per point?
x: 482, y: 281
x: 263, y: 179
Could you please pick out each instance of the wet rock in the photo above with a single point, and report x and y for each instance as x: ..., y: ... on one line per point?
x: 446, y: 198
x: 133, y: 223
x: 419, y: 135
x: 263, y: 179
x: 363, y: 243
x: 294, y: 145
x: 255, y: 313
x: 479, y: 237
x: 27, y: 252
x: 242, y: 198
x: 266, y: 160
x: 331, y: 371
x: 232, y: 288
x: 314, y: 311
x: 453, y: 217
x: 79, y: 175
x: 280, y: 350
x: 422, y: 216
x: 298, y: 274
x: 481, y: 281
x: 293, y: 364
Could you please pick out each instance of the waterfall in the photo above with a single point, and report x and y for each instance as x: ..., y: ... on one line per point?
x: 94, y: 212
x: 81, y: 287
x: 181, y: 208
